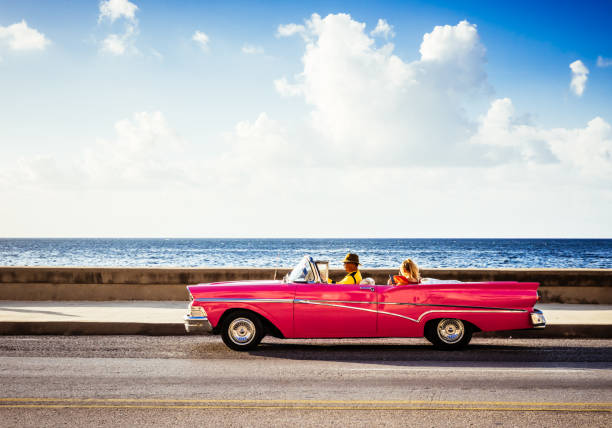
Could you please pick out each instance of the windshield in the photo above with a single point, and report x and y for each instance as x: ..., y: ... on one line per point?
x: 303, y: 271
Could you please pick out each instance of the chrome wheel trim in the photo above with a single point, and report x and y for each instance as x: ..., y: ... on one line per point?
x: 242, y: 331
x: 450, y: 330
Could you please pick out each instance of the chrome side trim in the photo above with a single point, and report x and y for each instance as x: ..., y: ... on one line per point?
x: 355, y: 302
x: 233, y: 300
x: 453, y: 306
x: 243, y: 300
x: 336, y: 304
x: 448, y: 311
x: 319, y: 302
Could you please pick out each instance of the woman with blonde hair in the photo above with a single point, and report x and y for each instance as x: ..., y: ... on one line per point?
x: 409, y: 274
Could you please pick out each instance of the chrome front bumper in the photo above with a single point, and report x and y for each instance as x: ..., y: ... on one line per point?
x: 197, y: 325
x: 537, y: 319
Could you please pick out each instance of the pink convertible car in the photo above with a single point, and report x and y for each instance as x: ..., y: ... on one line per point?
x: 304, y: 305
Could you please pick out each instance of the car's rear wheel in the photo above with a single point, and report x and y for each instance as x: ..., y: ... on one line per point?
x: 242, y: 331
x: 448, y: 333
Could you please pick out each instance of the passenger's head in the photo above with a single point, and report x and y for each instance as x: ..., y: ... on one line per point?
x: 351, y: 262
x: 410, y: 270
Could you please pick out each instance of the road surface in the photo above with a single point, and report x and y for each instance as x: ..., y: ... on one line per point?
x: 140, y: 381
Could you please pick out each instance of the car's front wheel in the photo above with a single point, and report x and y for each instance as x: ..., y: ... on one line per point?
x: 448, y: 333
x: 242, y: 331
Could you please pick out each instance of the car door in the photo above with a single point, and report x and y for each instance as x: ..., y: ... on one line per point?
x: 399, y: 310
x: 334, y: 310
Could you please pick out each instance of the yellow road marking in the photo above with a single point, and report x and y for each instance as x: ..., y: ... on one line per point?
x: 281, y: 407
x: 161, y: 403
x: 283, y: 401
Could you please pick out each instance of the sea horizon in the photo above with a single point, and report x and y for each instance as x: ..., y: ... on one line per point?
x: 285, y: 252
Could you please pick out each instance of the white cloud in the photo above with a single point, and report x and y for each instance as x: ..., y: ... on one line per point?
x: 579, y: 77
x: 506, y: 138
x: 114, y: 44
x: 372, y: 108
x: 286, y: 89
x: 368, y: 102
x: 452, y: 43
x: 120, y: 44
x: 252, y: 49
x: 201, y: 39
x: 255, y: 145
x: 455, y: 53
x: 603, y: 62
x: 289, y: 30
x: 587, y: 149
x: 115, y: 9
x: 20, y: 37
x: 145, y: 153
x: 383, y: 29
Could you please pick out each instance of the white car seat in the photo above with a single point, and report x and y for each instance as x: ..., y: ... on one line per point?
x: 368, y: 281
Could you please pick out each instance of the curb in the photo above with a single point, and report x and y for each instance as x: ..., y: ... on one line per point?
x: 555, y: 331
x: 91, y: 328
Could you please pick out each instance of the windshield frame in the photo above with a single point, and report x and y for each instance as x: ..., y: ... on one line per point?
x: 296, y: 273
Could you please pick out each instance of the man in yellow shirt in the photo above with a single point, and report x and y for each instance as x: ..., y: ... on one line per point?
x: 351, y: 266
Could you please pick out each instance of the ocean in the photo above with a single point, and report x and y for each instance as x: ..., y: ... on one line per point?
x: 374, y: 253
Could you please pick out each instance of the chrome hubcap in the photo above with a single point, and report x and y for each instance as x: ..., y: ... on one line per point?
x: 242, y: 331
x: 450, y: 330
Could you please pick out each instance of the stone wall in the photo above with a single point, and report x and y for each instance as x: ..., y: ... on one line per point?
x: 101, y: 284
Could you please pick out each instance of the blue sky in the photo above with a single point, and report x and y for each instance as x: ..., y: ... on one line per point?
x: 480, y: 118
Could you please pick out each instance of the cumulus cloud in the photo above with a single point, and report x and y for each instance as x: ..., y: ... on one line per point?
x: 603, y: 62
x: 145, y: 152
x: 20, y: 37
x: 114, y: 44
x: 119, y: 43
x: 286, y: 89
x: 201, y: 39
x: 288, y: 30
x: 252, y: 49
x: 256, y: 144
x: 503, y: 137
x: 587, y: 149
x: 141, y: 153
x: 579, y: 77
x: 383, y: 29
x: 451, y: 43
x: 371, y: 107
x: 115, y: 9
x: 368, y: 102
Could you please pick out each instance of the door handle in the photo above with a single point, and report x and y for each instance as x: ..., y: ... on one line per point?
x: 367, y: 288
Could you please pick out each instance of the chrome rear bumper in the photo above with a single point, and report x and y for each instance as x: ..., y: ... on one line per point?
x: 537, y: 319
x: 197, y: 325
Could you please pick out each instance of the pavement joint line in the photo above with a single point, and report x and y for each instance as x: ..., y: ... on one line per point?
x: 228, y: 407
x: 281, y: 402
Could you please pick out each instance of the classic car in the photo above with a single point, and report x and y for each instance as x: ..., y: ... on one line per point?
x: 305, y: 305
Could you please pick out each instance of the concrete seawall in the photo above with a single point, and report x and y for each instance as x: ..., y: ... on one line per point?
x: 102, y: 284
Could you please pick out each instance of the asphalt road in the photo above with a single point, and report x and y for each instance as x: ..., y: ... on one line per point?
x: 139, y: 380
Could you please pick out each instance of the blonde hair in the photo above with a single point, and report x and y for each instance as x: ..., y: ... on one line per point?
x: 410, y: 270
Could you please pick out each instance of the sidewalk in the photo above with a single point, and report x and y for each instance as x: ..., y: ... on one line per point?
x: 166, y: 318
